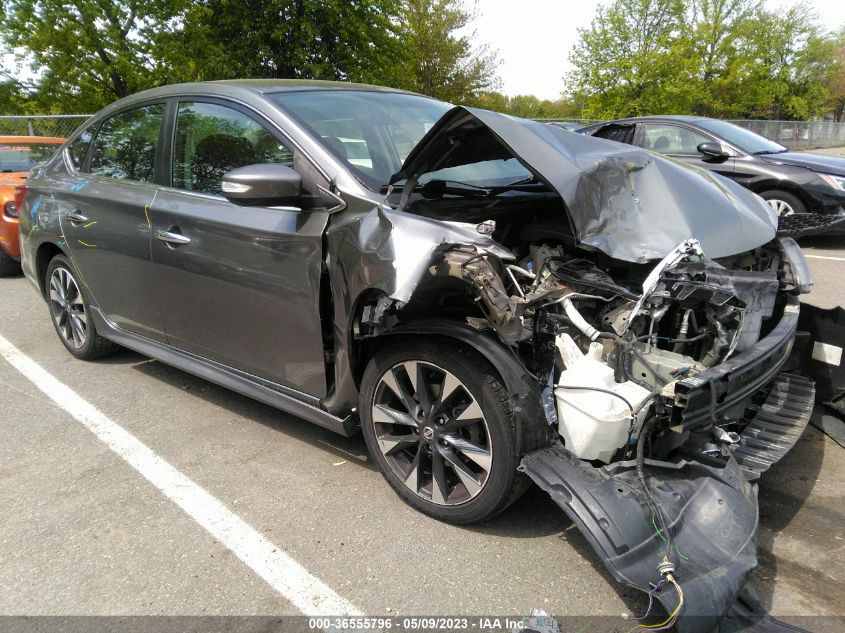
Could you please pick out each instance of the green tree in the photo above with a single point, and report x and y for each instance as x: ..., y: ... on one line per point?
x: 714, y: 36
x: 89, y: 52
x: 837, y: 77
x: 724, y: 58
x: 438, y: 57
x: 629, y: 61
x: 350, y: 40
x: 786, y: 68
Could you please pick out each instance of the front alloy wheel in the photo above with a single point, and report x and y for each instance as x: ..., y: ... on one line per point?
x: 438, y: 423
x: 782, y: 207
x: 783, y: 203
x: 432, y: 432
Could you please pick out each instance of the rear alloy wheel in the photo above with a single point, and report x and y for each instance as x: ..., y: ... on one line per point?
x: 437, y: 422
x: 783, y: 203
x: 70, y: 314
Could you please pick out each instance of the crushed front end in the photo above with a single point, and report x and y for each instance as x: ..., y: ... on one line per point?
x: 654, y: 319
x: 667, y: 391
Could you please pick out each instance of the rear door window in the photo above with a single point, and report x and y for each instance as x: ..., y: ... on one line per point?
x: 212, y: 139
x: 126, y: 143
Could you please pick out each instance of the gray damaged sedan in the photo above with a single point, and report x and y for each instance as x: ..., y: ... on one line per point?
x: 489, y: 300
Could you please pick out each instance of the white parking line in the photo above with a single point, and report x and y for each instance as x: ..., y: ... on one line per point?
x: 305, y: 591
x: 835, y: 259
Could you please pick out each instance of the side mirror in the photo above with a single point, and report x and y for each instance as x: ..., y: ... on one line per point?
x: 713, y: 150
x: 264, y: 185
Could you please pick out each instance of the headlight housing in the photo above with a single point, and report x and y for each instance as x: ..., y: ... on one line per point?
x: 10, y: 209
x: 796, y: 272
x: 837, y: 182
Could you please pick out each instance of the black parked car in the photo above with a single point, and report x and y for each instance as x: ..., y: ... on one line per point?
x: 792, y: 182
x: 488, y: 299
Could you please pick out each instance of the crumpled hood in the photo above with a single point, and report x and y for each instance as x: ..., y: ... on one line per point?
x: 629, y: 203
x: 814, y: 162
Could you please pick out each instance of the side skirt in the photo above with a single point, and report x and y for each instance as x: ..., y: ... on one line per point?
x: 278, y: 396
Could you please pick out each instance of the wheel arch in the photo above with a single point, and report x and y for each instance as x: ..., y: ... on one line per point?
x: 533, y: 431
x: 44, y: 254
x: 789, y: 187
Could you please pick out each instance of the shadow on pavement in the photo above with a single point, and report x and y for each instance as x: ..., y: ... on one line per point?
x: 783, y: 491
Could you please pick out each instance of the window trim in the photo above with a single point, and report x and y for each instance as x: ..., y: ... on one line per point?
x: 94, y: 126
x: 86, y: 168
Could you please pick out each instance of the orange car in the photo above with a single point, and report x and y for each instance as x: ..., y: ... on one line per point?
x: 18, y: 154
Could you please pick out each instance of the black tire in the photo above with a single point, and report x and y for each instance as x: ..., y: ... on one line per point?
x: 478, y: 382
x: 793, y: 203
x: 8, y: 266
x: 92, y: 345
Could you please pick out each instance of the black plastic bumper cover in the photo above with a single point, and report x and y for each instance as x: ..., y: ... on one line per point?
x: 712, y: 514
x: 710, y: 504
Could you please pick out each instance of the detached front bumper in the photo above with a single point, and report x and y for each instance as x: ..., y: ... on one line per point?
x: 710, y: 501
x: 806, y: 224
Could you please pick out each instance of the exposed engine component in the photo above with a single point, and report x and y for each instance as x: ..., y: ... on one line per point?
x: 610, y: 348
x: 597, y: 415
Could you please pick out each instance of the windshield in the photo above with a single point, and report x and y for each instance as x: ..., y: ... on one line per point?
x: 746, y: 140
x: 23, y: 156
x: 372, y: 131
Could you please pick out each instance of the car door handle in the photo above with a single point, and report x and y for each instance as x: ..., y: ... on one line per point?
x: 75, y: 217
x: 170, y: 237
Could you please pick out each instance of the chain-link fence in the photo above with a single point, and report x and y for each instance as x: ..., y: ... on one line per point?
x: 792, y: 134
x: 60, y: 125
x: 799, y: 134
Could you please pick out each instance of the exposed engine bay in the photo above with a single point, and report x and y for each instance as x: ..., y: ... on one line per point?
x: 609, y: 349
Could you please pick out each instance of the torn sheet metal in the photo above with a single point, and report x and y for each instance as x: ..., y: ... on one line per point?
x: 632, y: 204
x: 711, y: 511
x: 391, y: 251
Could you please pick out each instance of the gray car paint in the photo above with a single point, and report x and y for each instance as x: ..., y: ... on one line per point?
x: 632, y: 204
x: 623, y: 201
x: 111, y: 248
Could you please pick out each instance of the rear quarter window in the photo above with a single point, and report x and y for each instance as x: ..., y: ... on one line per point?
x: 79, y: 148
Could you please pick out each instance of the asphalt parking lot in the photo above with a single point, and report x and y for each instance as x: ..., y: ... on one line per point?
x: 84, y: 533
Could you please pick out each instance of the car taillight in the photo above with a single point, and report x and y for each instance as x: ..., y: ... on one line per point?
x: 20, y: 192
x: 10, y: 209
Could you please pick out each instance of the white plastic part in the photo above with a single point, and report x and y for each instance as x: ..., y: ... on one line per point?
x: 579, y: 321
x: 594, y: 424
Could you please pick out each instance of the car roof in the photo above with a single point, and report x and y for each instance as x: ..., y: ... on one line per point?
x: 232, y: 87
x: 687, y: 118
x: 32, y: 139
x: 249, y: 90
x: 266, y: 86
